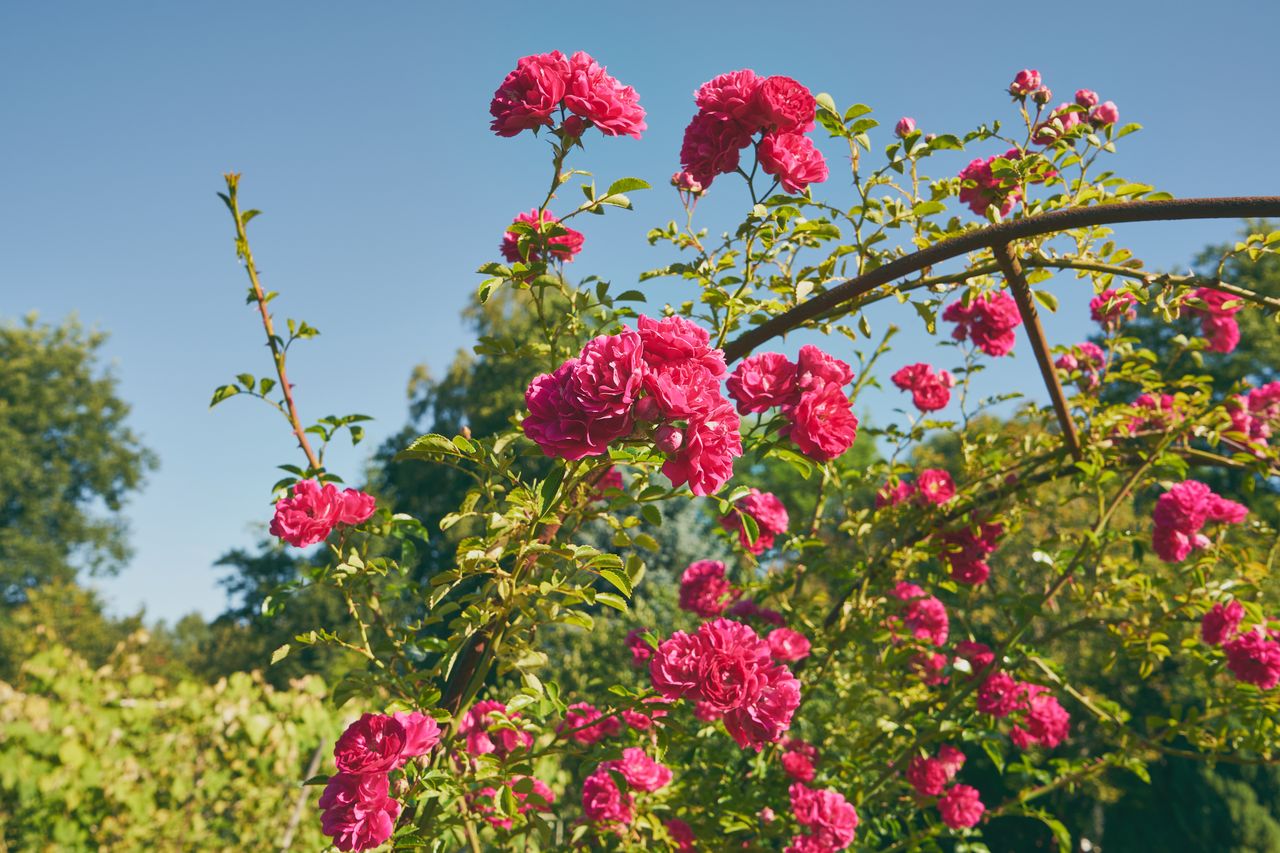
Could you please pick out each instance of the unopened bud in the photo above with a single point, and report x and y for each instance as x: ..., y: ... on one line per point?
x: 668, y: 439
x: 647, y: 410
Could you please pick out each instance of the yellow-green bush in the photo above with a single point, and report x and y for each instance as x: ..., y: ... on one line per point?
x: 118, y: 759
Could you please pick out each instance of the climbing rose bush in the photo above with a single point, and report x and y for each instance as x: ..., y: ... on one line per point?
x: 901, y: 625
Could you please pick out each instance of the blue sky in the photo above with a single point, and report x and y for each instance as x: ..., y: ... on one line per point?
x: 361, y: 131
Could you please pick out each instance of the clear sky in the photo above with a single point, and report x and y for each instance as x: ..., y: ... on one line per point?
x: 361, y: 131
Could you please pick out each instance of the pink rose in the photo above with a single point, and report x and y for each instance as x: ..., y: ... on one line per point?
x: 1254, y: 658
x: 1217, y: 320
x: 1111, y: 307
x: 934, y: 486
x: 711, y: 147
x: 1220, y: 623
x: 1044, y: 721
x: 961, y: 807
x: 816, y: 369
x: 924, y: 616
x: 372, y: 744
x: 980, y: 188
x: 580, y: 724
x: 770, y: 517
x: 531, y: 795
x: 793, y: 160
x: 829, y: 817
x: 1025, y: 82
x: 927, y: 775
x: 530, y: 93
x: 762, y: 381
x: 563, y: 246
x: 978, y: 655
x: 1059, y: 124
x: 731, y: 98
x: 421, y: 734
x: 602, y: 801
x: 1181, y: 512
x: 308, y: 516
x: 1105, y: 113
x: 641, y: 771
x: 894, y: 493
x: 822, y: 423
x: 681, y: 834
x: 905, y: 127
x: 594, y: 95
x: 484, y: 734
x: 966, y: 551
x: 929, y: 391
x: 989, y: 321
x: 355, y: 507
x: 787, y: 645
x: 641, y: 651
x: 999, y: 695
x: 784, y: 105
x: 1086, y: 98
x: 704, y: 589
x: 711, y: 443
x: 358, y: 811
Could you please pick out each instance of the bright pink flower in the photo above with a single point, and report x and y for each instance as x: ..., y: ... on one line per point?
x: 1111, y: 307
x: 530, y: 93
x: 711, y: 443
x: 704, y: 590
x: 951, y: 758
x: 829, y: 817
x: 1221, y: 623
x: 596, y: 96
x: 894, y: 493
x: 711, y: 147
x: 1217, y: 320
x: 966, y: 550
x: 641, y: 651
x: 1256, y: 415
x: 905, y: 127
x: 961, y: 807
x: 1044, y: 721
x: 787, y: 645
x: 1059, y: 124
x: 748, y: 609
x: 989, y: 321
x: 484, y: 735
x: 793, y: 160
x: 930, y: 775
x: 816, y: 370
x: 681, y: 833
x: 1025, y: 82
x: 642, y: 722
x: 1157, y: 414
x: 999, y: 695
x: 770, y: 517
x: 797, y: 761
x: 355, y: 507
x: 924, y: 615
x: 980, y: 188
x: 538, y: 797
x: 563, y: 247
x: 762, y: 381
x: 358, y: 811
x: 372, y: 744
x: 580, y: 724
x: 929, y: 666
x: 421, y: 734
x: 978, y: 655
x: 641, y: 771
x: 707, y: 712
x: 674, y: 341
x: 934, y: 486
x: 1105, y: 113
x: 728, y: 667
x: 1088, y: 359
x: 1181, y: 512
x: 731, y: 97
x: 822, y: 423
x: 610, y: 479
x: 1086, y: 98
x: 929, y: 391
x: 602, y: 801
x: 784, y: 105
x: 308, y: 516
x: 1253, y: 657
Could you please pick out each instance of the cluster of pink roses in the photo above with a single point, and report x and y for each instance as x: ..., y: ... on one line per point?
x: 562, y: 247
x: 730, y: 673
x: 1088, y: 359
x: 1039, y: 718
x: 359, y: 812
x: 966, y: 551
x: 980, y: 188
x: 1256, y: 414
x: 798, y: 759
x: 988, y: 321
x: 960, y: 806
x: 930, y: 391
x: 487, y: 730
x: 770, y: 517
x: 923, y: 616
x: 1112, y: 307
x: 810, y: 393
x: 584, y: 724
x: 732, y: 109
x: 1217, y: 318
x: 1252, y: 656
x: 1180, y: 514
x: 1153, y: 413
x: 545, y: 82
x: 661, y: 380
x: 604, y: 801
x: 830, y: 819
x: 312, y: 512
x: 531, y: 794
x: 932, y: 486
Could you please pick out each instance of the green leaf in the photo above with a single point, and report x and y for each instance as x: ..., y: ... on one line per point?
x: 620, y: 581
x: 1047, y: 299
x: 828, y: 103
x: 626, y: 185
x: 926, y: 208
x: 280, y: 654
x: 614, y: 601
x: 221, y: 393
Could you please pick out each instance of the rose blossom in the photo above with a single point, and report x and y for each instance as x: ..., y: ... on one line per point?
x: 641, y: 771
x: 681, y: 833
x: 798, y: 764
x: 1025, y: 82
x: 961, y: 807
x: 999, y: 695
x: 539, y: 797
x: 770, y: 517
x: 641, y: 651
x: 1217, y: 320
x: 580, y: 724
x: 822, y: 424
x: 729, y: 669
x: 1059, y: 124
x: 1105, y: 113
x: 894, y: 493
x: 985, y: 189
x: 905, y: 127
x: 642, y: 722
x: 483, y: 737
x: 978, y: 655
x: 787, y: 645
x: 1044, y: 721
x: 1086, y: 98
x: 1110, y: 307
x: 924, y: 616
x: 929, y: 391
x: 602, y: 800
x: 989, y: 321
x: 529, y: 94
x: 934, y: 486
x: 930, y: 775
x: 1087, y: 358
x: 563, y: 246
x: 1220, y: 624
x: 358, y: 811
x: 793, y: 160
x: 1181, y: 512
x: 309, y: 515
x: 785, y: 105
x: 372, y: 744
x: 596, y: 96
x: 731, y: 97
x: 762, y: 381
x: 711, y: 443
x: 830, y: 818
x: 966, y: 551
x: 1254, y: 658
x: 704, y: 590
x: 711, y: 147
x: 421, y: 734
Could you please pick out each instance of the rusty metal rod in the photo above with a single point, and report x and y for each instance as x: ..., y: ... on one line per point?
x: 994, y: 235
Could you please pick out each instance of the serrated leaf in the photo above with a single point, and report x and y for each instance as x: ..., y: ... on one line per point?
x: 626, y: 185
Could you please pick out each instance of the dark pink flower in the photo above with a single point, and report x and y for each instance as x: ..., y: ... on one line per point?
x: 681, y: 833
x: 787, y: 645
x: 961, y: 807
x: 929, y: 391
x: 894, y: 493
x: 1025, y: 82
x: 704, y: 590
x: 726, y: 667
x: 1105, y: 113
x: 978, y: 655
x: 905, y: 127
x: 980, y: 188
x: 485, y: 734
x: 711, y: 443
x: 355, y: 507
x: 1043, y: 720
x: 1254, y: 658
x: 1221, y: 623
x: 989, y: 321
x: 596, y: 96
x: 1217, y: 318
x: 770, y: 517
x: 358, y: 811
x: 967, y: 549
x: 816, y: 370
x: 1157, y: 414
x: 1059, y: 123
x: 762, y: 381
x: 711, y: 147
x: 308, y: 516
x: 999, y: 695
x: 602, y: 800
x: 822, y: 423
x: 641, y: 771
x: 580, y: 724
x: 930, y: 775
x: 642, y: 722
x: 934, y: 486
x: 924, y: 615
x: 530, y: 93
x: 798, y: 764
x: 372, y: 744
x: 793, y: 160
x: 784, y: 105
x: 1181, y: 512
x: 1088, y: 359
x: 829, y: 817
x: 421, y: 734
x: 731, y: 97
x: 1111, y: 307
x: 531, y: 795
x: 563, y: 246
x: 1086, y: 98
x: 610, y: 479
x: 1256, y: 415
x: 641, y: 651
